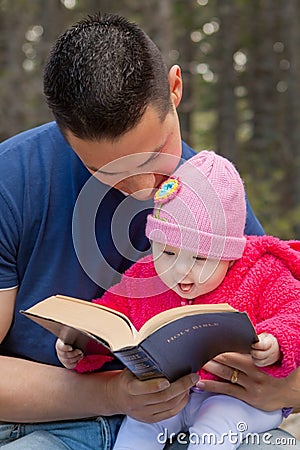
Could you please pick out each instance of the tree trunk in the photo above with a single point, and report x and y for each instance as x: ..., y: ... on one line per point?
x: 226, y: 126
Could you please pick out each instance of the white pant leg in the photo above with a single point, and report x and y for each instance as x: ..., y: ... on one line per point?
x: 135, y: 435
x: 223, y: 422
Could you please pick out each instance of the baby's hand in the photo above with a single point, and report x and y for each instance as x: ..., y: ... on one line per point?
x: 266, y: 351
x: 67, y: 355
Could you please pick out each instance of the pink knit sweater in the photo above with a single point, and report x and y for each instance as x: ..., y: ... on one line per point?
x: 265, y: 283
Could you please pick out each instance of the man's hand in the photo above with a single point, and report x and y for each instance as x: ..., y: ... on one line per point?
x: 151, y: 400
x: 253, y: 385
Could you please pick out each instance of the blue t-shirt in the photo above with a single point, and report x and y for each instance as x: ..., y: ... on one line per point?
x: 62, y: 231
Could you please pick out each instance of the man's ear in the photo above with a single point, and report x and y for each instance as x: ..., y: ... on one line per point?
x: 175, y: 82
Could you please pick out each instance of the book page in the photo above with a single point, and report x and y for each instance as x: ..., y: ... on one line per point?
x: 111, y: 326
x: 169, y: 315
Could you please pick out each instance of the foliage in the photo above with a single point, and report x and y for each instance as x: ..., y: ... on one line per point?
x: 241, y: 68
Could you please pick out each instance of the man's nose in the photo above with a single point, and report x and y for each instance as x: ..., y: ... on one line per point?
x: 142, y: 181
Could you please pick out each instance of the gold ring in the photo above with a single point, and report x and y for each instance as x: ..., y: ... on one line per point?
x: 235, y: 376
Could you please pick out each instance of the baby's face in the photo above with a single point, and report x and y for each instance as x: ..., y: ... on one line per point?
x: 187, y: 274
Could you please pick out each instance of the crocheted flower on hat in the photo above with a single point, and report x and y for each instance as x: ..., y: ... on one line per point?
x: 168, y: 190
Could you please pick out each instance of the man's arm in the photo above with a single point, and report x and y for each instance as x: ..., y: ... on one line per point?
x: 253, y: 226
x: 33, y: 392
x: 253, y: 386
x: 7, y: 306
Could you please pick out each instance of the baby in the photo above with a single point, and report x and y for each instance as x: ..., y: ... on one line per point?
x: 200, y: 255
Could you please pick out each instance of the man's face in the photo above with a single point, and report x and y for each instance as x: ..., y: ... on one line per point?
x: 140, y: 160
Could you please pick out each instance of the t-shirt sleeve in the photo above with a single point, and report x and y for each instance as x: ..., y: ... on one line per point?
x: 253, y: 226
x: 9, y: 239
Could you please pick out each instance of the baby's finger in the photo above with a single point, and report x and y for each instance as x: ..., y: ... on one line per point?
x: 262, y: 362
x: 74, y: 360
x: 74, y: 355
x: 70, y: 363
x: 61, y: 346
x: 258, y: 355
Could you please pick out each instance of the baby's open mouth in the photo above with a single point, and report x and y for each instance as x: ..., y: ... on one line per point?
x: 185, y: 287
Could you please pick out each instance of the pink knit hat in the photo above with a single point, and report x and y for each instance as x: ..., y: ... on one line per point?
x: 201, y: 209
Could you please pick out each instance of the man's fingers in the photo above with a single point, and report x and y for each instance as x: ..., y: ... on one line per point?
x: 172, y: 409
x: 222, y: 371
x: 152, y: 400
x: 234, y: 390
x: 227, y: 362
x: 158, y: 385
x: 163, y: 410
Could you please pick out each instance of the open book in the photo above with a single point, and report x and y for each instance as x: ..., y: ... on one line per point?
x: 171, y: 344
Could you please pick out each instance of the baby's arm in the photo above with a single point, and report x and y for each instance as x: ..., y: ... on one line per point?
x: 266, y: 351
x: 68, y: 356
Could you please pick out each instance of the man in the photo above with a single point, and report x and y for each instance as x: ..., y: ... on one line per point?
x: 65, y: 231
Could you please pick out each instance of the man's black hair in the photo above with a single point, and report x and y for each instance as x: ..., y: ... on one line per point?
x: 101, y: 75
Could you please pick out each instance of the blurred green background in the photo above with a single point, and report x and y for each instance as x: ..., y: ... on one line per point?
x: 241, y: 69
